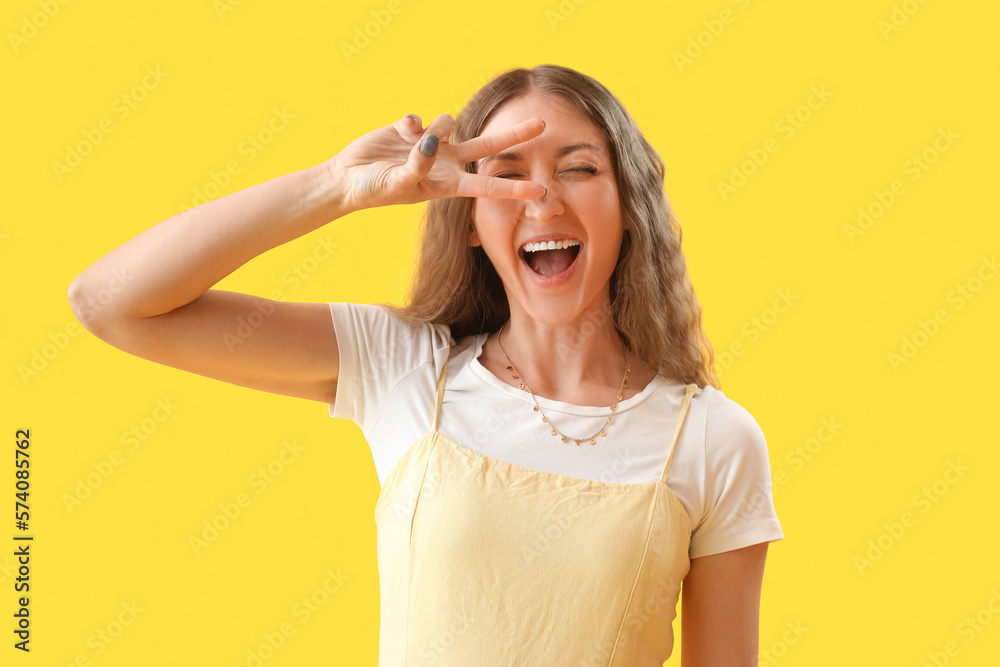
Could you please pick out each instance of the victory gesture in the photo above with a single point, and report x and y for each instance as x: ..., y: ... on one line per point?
x: 403, y: 163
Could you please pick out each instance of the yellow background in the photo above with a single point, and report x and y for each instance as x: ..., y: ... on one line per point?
x: 226, y: 67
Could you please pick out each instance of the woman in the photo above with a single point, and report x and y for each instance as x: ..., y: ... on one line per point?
x: 555, y: 457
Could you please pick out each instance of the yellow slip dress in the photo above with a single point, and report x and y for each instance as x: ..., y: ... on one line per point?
x: 483, y: 562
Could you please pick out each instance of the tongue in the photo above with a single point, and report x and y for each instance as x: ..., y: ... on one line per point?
x: 551, y: 262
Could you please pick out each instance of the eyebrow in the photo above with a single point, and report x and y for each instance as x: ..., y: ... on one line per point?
x: 562, y: 152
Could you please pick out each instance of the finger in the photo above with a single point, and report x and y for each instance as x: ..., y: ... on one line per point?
x: 477, y: 185
x: 409, y: 125
x: 442, y: 126
x: 424, y: 151
x: 494, y: 142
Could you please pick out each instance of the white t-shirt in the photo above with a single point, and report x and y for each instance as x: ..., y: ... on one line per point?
x: 387, y: 386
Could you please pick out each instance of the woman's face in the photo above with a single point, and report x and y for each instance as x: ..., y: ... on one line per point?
x: 571, y: 158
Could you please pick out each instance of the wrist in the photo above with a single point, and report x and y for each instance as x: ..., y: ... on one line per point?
x: 334, y: 188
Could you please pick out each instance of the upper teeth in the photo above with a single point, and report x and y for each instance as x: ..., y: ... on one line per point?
x: 549, y: 245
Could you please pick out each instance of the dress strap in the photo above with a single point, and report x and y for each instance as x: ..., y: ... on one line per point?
x: 440, y: 390
x: 690, y: 391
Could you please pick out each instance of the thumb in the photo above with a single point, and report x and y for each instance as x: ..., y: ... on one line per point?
x: 420, y: 160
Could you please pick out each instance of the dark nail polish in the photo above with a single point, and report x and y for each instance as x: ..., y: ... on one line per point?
x: 429, y: 145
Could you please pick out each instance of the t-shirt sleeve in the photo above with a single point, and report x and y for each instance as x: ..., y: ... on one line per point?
x: 738, y: 497
x: 377, y: 351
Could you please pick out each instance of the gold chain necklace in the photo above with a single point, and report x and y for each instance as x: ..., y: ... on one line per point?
x: 565, y: 438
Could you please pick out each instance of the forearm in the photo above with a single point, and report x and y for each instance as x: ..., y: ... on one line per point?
x: 176, y: 261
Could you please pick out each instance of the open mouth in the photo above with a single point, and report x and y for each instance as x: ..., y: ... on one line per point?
x: 550, y: 258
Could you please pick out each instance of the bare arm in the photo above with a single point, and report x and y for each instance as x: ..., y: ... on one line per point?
x: 720, y: 609
x: 151, y: 296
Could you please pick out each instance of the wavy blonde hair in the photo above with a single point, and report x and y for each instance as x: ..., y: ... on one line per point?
x: 653, y: 303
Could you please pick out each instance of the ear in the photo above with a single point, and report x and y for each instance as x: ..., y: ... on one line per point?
x: 626, y: 224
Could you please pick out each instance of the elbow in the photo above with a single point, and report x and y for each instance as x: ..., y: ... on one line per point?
x: 102, y: 303
x: 79, y: 303
x: 92, y: 307
x: 77, y: 295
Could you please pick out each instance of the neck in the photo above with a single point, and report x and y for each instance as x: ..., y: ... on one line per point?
x: 582, y: 357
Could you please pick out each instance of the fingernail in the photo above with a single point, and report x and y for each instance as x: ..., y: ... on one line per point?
x: 429, y: 145
x: 412, y: 117
x: 543, y: 124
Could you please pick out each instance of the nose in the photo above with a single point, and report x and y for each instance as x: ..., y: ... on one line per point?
x: 547, y: 207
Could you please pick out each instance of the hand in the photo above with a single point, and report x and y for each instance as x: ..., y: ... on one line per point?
x: 386, y: 166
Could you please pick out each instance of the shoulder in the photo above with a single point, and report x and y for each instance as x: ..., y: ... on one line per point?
x: 735, y: 445
x: 388, y: 375
x: 728, y: 423
x: 378, y: 350
x: 373, y: 330
x: 736, y: 507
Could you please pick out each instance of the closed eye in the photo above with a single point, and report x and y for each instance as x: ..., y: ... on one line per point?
x: 586, y: 170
